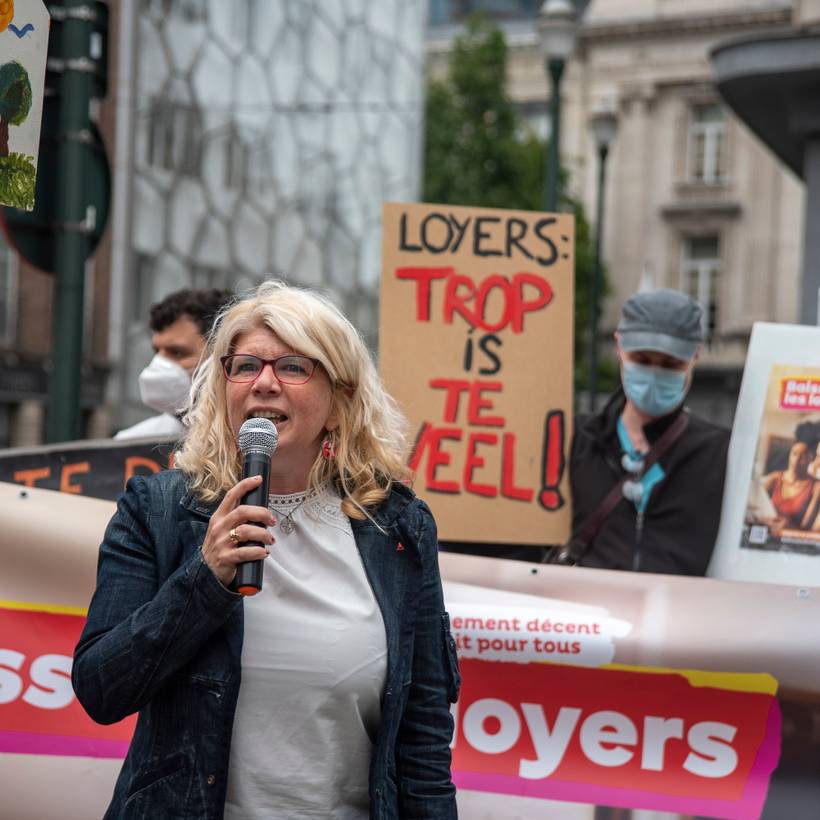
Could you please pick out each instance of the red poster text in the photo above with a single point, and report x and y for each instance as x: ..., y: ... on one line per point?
x: 450, y: 294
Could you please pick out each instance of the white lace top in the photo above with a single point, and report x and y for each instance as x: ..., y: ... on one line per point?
x: 314, y: 661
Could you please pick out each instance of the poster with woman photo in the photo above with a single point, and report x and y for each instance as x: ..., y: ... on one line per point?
x: 770, y: 522
x: 783, y: 506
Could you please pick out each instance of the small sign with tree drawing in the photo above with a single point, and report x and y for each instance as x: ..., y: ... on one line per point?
x: 24, y: 26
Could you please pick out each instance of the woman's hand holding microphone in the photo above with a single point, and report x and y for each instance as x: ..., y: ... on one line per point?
x: 231, y: 525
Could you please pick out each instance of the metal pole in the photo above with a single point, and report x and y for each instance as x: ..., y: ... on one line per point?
x: 63, y: 422
x: 595, y: 287
x: 555, y: 68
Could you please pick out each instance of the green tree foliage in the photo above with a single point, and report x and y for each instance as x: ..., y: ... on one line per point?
x: 17, y: 172
x: 15, y: 99
x: 17, y: 176
x: 479, y: 151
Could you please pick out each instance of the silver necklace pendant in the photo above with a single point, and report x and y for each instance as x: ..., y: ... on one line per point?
x: 285, y: 519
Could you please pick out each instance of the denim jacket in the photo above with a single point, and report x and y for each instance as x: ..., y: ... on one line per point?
x: 164, y: 638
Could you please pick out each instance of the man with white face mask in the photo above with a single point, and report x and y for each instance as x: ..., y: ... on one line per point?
x: 646, y: 474
x: 180, y: 324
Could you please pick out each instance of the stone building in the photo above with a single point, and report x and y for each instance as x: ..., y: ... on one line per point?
x: 693, y: 200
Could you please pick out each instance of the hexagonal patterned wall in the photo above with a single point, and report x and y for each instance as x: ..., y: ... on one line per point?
x: 267, y: 134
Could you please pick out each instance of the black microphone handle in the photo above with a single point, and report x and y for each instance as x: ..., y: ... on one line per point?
x: 248, y: 580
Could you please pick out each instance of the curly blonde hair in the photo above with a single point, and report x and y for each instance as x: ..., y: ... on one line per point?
x: 370, y: 442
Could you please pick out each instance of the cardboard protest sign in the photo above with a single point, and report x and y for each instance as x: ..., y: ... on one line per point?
x: 24, y: 26
x: 475, y: 343
x: 770, y: 526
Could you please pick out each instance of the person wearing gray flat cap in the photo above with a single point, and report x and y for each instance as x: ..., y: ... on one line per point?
x: 647, y: 475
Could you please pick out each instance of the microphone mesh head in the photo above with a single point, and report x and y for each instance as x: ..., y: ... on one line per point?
x: 258, y: 436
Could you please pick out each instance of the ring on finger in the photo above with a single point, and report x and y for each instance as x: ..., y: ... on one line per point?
x: 233, y: 536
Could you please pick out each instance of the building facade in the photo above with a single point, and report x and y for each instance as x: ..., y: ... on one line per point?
x: 247, y: 140
x: 263, y: 139
x: 693, y: 200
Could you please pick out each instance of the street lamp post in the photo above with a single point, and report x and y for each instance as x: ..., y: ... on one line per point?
x: 603, y: 125
x: 557, y: 28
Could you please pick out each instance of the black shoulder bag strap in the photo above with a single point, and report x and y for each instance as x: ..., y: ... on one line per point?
x: 572, y: 553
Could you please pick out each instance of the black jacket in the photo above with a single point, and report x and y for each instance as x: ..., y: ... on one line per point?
x: 681, y: 519
x: 164, y: 637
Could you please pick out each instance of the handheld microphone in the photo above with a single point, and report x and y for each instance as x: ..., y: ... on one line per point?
x: 257, y: 443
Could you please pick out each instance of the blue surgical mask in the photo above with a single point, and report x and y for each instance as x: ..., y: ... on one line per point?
x: 654, y: 390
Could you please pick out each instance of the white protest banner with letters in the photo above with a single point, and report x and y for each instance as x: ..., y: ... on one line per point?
x: 672, y: 703
x: 519, y: 634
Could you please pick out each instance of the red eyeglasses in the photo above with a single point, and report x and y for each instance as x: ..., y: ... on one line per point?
x: 244, y: 368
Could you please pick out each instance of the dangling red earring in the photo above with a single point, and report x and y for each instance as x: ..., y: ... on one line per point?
x: 328, y: 449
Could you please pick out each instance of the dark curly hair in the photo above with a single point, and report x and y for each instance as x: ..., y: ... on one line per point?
x: 809, y: 433
x: 201, y: 306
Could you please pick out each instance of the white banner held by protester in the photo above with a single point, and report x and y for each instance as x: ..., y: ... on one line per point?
x: 675, y: 705
x: 770, y: 526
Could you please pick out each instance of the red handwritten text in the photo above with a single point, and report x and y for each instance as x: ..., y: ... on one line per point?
x: 462, y: 296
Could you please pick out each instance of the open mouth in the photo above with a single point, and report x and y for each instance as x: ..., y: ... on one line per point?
x: 276, y: 418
